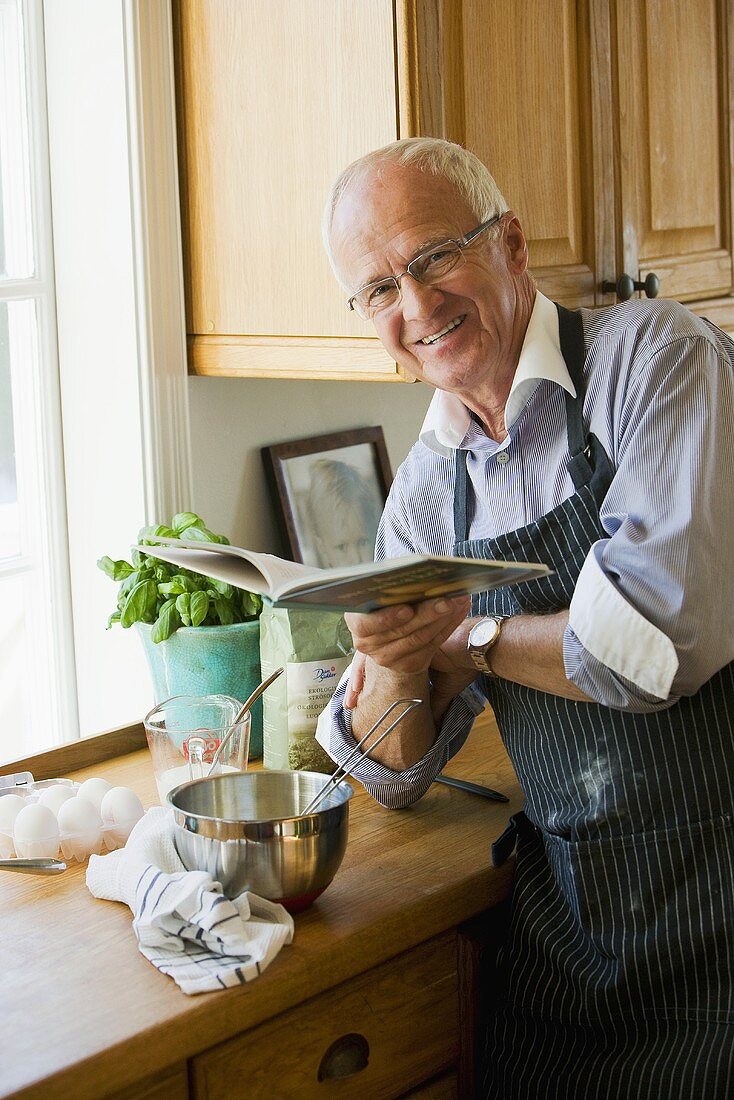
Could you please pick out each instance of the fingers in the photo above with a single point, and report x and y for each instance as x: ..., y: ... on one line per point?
x: 390, y: 623
x: 356, y: 681
x: 404, y: 638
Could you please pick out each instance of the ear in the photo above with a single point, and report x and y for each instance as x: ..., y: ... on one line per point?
x: 517, y: 246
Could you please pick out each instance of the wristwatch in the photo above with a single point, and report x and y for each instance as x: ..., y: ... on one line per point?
x: 482, y: 636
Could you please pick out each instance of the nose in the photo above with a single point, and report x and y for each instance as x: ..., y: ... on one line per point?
x: 419, y: 300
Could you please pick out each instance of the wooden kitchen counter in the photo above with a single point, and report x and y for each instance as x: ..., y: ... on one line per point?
x: 84, y: 1015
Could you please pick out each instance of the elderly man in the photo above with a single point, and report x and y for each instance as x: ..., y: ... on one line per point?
x: 601, y: 443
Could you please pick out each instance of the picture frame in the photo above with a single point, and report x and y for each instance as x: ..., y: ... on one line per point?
x: 329, y: 492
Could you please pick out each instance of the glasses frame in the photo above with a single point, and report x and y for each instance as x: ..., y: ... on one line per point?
x: 459, y: 242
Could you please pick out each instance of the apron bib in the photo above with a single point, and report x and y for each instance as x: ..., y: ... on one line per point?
x: 617, y: 977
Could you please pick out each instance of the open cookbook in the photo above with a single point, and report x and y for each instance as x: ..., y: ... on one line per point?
x: 364, y: 587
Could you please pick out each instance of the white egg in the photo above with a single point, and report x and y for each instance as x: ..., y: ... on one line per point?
x: 121, y: 809
x: 94, y: 791
x: 36, y: 832
x: 54, y: 796
x: 80, y: 823
x: 10, y: 807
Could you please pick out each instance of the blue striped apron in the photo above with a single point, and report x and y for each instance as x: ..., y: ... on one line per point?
x: 617, y: 977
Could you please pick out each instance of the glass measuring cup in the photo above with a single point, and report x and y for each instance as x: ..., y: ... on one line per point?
x: 185, y: 732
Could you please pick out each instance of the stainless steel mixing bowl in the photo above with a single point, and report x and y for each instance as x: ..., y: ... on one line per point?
x: 244, y: 830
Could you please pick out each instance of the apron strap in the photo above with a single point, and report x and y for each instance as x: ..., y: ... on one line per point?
x: 573, y: 349
x: 461, y: 498
x: 519, y: 828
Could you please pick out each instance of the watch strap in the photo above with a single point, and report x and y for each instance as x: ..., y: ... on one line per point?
x: 479, y: 653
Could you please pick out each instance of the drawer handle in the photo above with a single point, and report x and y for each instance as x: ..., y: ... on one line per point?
x: 625, y: 286
x: 348, y: 1055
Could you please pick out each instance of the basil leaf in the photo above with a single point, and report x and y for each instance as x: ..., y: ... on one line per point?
x: 114, y: 618
x: 183, y: 606
x: 140, y: 604
x: 145, y: 534
x: 198, y: 607
x: 129, y: 583
x: 182, y: 520
x: 199, y: 534
x: 175, y: 586
x: 224, y: 610
x: 251, y: 605
x: 116, y: 570
x: 221, y: 587
x: 167, y: 622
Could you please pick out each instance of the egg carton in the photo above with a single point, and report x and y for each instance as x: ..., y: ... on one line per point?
x: 71, y: 846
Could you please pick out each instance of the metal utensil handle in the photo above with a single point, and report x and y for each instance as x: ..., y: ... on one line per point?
x: 241, y: 714
x: 473, y: 788
x: 37, y: 866
x: 356, y: 750
x: 343, y: 770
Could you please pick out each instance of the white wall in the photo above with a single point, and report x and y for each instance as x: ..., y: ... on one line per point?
x: 232, y: 418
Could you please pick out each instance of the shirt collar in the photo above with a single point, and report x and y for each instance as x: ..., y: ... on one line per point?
x: 448, y: 420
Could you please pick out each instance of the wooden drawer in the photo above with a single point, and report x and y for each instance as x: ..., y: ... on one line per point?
x: 170, y: 1084
x: 389, y: 1030
x: 445, y: 1087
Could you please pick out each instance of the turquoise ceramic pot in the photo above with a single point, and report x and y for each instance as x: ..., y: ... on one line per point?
x: 208, y: 660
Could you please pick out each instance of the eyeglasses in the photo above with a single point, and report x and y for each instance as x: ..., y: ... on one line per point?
x: 427, y: 267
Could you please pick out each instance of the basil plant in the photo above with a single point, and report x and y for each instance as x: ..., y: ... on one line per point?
x: 152, y: 591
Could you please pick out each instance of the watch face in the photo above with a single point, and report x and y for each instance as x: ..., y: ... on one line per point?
x: 484, y: 632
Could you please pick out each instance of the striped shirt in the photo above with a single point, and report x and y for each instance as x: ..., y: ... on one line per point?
x: 649, y: 621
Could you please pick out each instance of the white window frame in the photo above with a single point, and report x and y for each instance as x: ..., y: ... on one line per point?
x: 48, y: 650
x: 120, y: 309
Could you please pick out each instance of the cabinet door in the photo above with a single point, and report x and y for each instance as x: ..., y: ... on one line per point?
x: 274, y: 99
x: 672, y: 76
x: 531, y: 96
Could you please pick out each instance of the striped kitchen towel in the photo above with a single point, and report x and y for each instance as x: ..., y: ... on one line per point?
x: 184, y: 924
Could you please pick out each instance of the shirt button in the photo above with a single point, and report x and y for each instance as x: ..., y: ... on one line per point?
x: 503, y: 458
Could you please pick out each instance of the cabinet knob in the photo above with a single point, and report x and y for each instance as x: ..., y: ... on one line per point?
x: 348, y: 1055
x: 625, y: 286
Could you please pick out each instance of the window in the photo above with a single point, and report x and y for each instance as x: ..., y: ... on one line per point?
x: 94, y: 439
x: 37, y: 695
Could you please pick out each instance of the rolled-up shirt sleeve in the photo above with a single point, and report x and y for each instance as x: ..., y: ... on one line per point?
x: 390, y: 788
x: 648, y: 622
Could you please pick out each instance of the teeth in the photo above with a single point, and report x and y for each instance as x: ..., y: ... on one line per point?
x: 437, y: 335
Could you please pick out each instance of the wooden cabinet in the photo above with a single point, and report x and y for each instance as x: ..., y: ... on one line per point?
x: 273, y: 100
x: 607, y: 126
x: 524, y: 99
x: 675, y: 169
x: 379, y: 1035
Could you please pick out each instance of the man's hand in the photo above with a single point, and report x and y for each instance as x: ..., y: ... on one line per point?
x: 395, y: 647
x: 403, y: 641
x: 405, y: 638
x: 451, y: 670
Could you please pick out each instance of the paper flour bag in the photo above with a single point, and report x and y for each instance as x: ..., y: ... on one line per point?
x: 314, y: 648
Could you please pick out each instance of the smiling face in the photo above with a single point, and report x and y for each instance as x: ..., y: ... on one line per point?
x: 463, y: 335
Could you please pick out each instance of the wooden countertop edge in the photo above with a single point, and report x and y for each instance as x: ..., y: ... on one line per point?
x: 84, y: 753
x: 217, y: 1017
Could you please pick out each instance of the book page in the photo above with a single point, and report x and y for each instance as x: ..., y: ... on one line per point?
x: 261, y: 573
x: 408, y: 580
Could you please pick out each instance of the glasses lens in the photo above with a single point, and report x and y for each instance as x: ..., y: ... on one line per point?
x: 434, y: 265
x: 377, y: 297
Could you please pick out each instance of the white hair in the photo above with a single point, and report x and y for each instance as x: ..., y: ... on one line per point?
x: 434, y: 156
